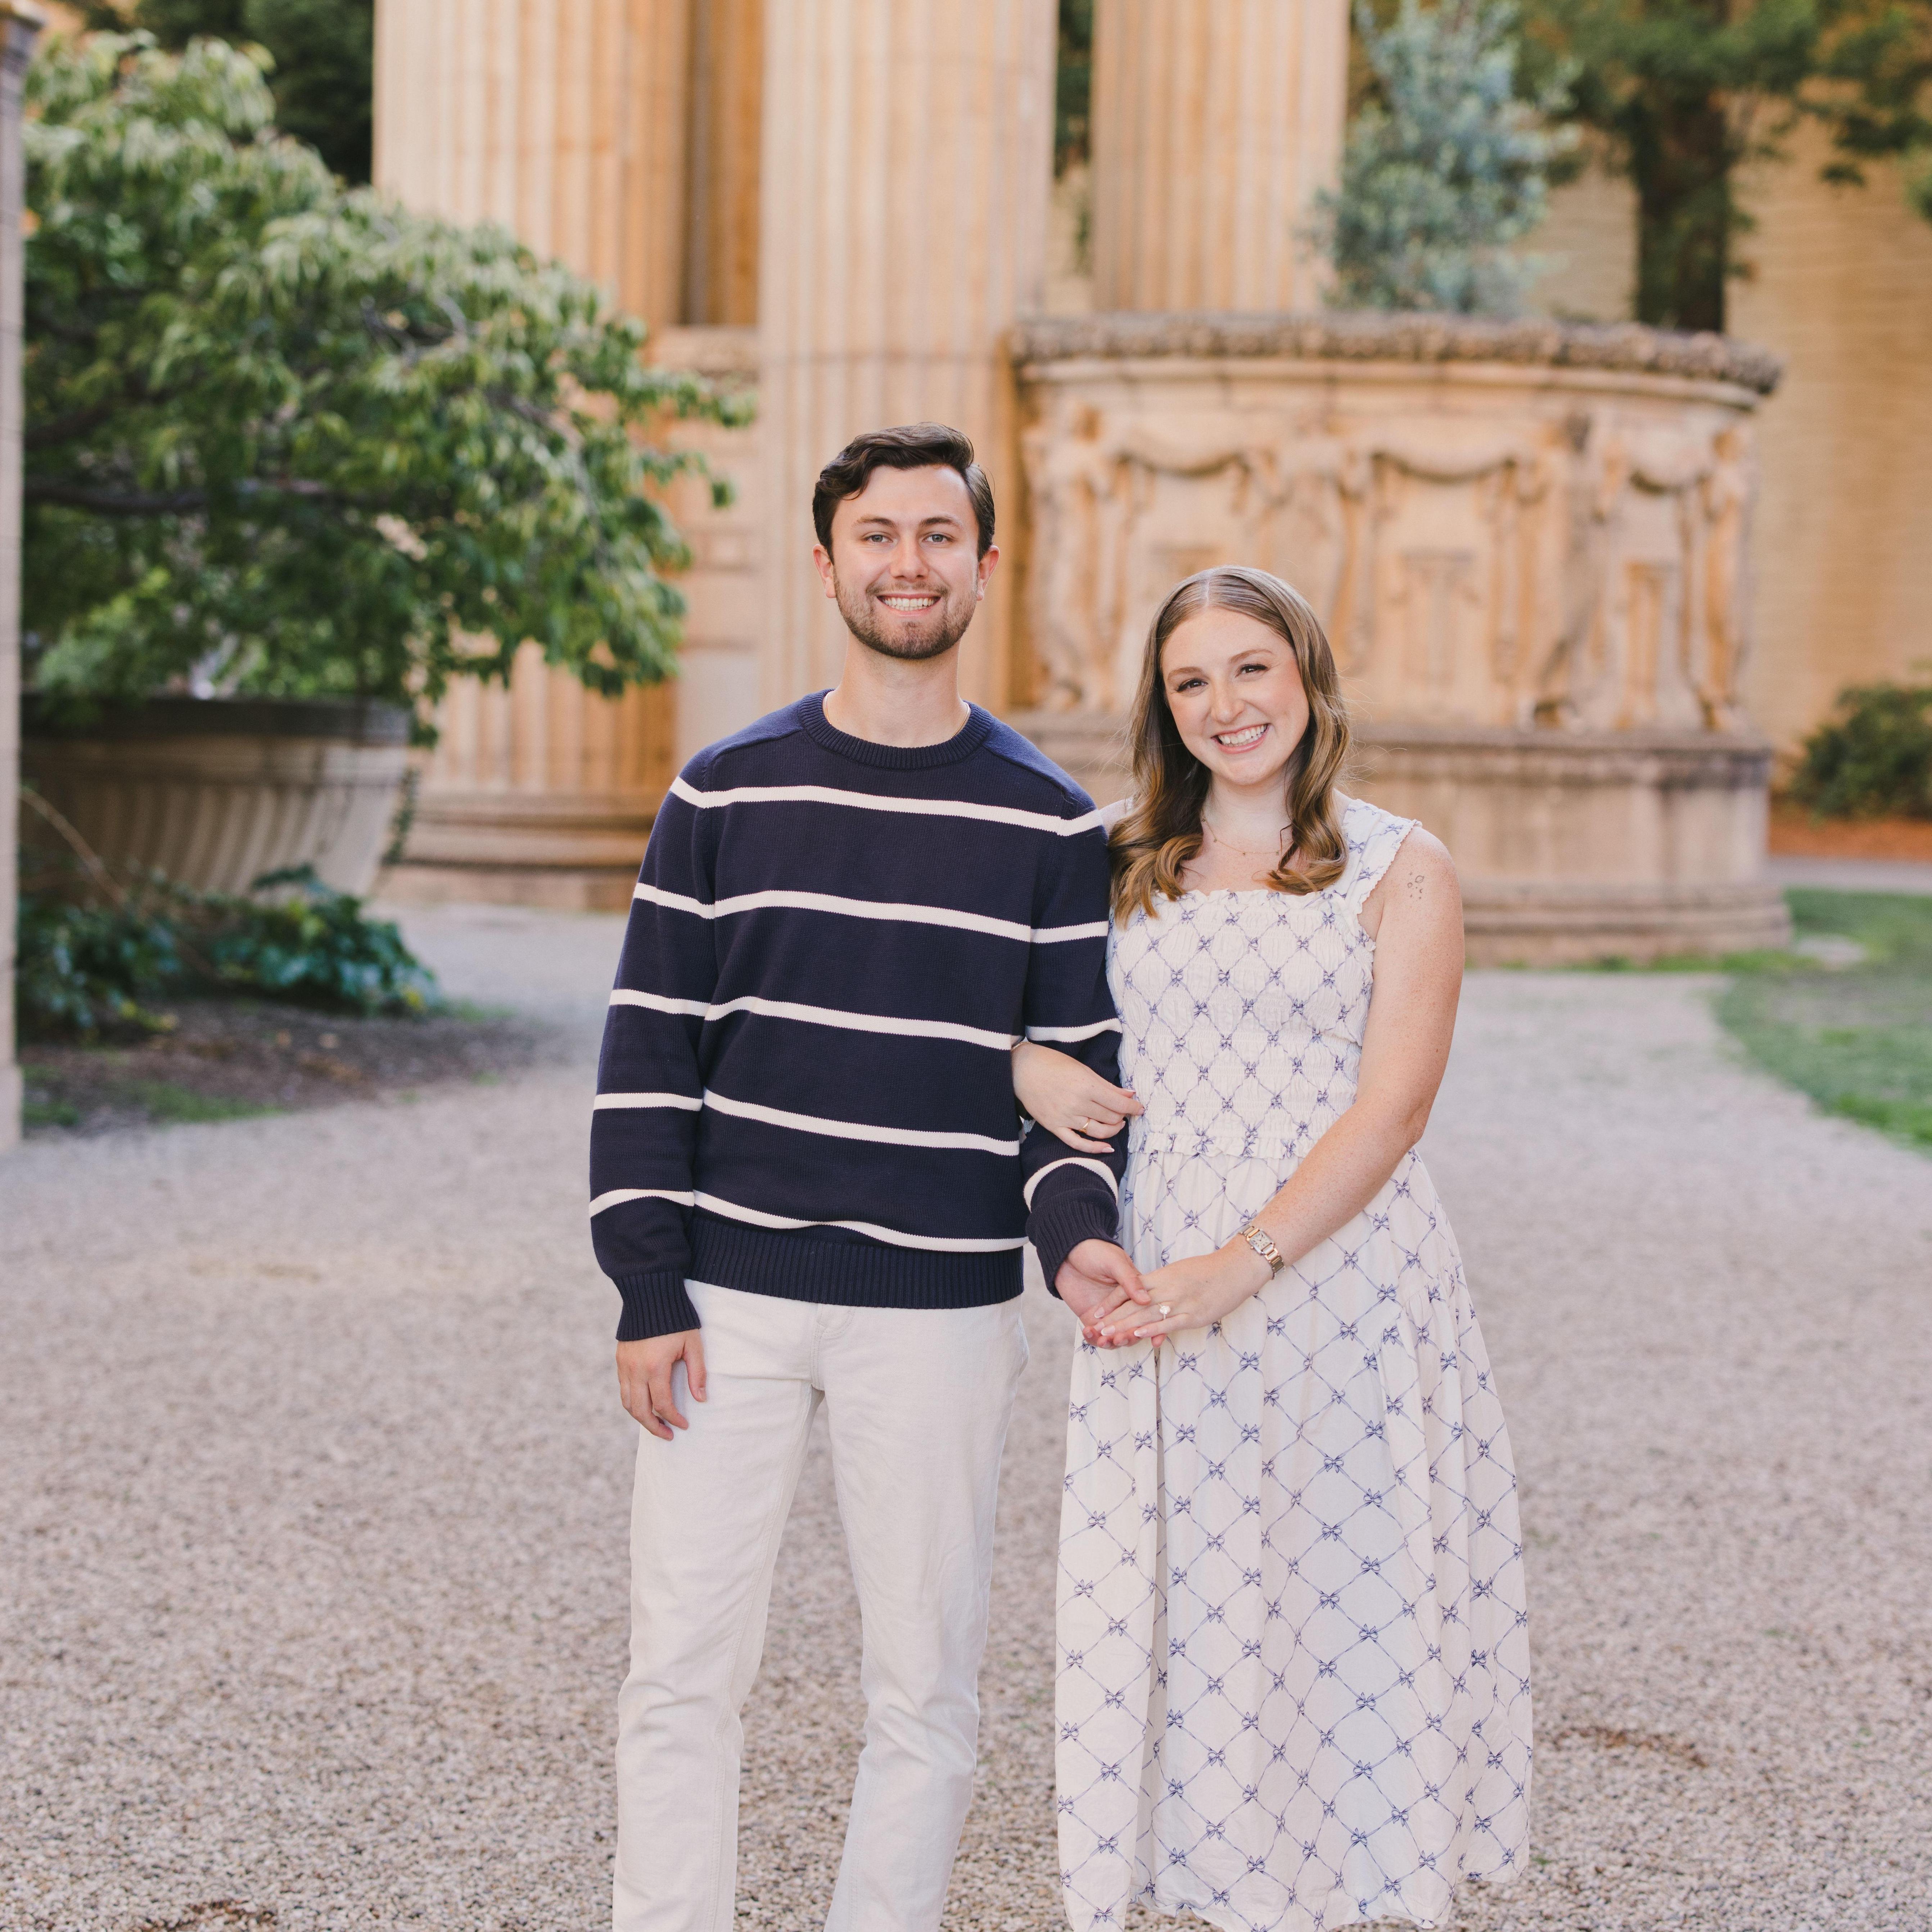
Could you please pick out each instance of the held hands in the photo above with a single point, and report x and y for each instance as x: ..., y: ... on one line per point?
x: 644, y: 1378
x: 1097, y: 1280
x: 1069, y: 1098
x: 1196, y: 1292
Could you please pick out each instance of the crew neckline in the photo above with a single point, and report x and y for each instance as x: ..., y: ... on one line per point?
x: 963, y: 742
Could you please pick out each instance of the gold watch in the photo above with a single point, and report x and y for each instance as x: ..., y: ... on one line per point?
x: 1259, y: 1238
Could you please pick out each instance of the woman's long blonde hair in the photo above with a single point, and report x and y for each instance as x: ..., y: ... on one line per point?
x: 1154, y: 841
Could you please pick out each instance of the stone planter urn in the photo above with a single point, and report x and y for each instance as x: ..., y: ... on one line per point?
x: 1529, y: 544
x: 215, y: 791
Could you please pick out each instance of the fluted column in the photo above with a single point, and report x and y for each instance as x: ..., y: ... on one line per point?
x: 564, y: 120
x: 907, y: 161
x: 568, y: 121
x: 1213, y: 123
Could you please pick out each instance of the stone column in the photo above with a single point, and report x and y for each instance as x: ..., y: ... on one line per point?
x: 1214, y: 122
x: 570, y: 122
x: 19, y: 26
x: 907, y: 162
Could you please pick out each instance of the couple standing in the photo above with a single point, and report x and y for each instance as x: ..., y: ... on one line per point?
x: 1293, y: 1688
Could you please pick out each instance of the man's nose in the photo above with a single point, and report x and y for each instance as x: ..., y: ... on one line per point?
x: 908, y: 561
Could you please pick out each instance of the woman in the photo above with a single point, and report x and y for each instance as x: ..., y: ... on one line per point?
x: 1293, y: 1661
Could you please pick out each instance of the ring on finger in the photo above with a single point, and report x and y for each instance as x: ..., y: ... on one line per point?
x: 1166, y: 1308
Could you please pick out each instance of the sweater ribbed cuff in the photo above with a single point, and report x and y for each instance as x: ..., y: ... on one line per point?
x: 654, y: 1304
x: 1057, y: 1229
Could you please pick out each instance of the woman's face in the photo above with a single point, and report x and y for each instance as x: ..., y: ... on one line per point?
x: 1236, y: 694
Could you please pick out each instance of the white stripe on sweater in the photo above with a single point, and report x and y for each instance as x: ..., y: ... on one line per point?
x: 1073, y: 1033
x: 832, y: 1016
x: 896, y: 1236
x: 689, y: 1100
x: 865, y: 801
x: 858, y: 1130
x: 881, y: 909
x: 617, y: 1196
x: 1106, y: 1173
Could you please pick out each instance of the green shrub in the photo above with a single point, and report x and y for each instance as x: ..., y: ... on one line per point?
x: 1445, y: 168
x: 1874, y: 758
x: 85, y: 967
x: 85, y: 970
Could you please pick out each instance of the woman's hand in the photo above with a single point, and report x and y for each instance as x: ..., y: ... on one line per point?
x: 1069, y: 1098
x: 1193, y: 1294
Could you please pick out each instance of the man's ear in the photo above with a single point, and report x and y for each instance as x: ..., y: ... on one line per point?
x: 827, y: 575
x: 986, y: 564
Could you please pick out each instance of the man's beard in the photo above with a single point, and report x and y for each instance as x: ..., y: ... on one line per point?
x: 933, y: 636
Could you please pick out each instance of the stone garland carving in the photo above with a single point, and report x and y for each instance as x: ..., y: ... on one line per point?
x: 1576, y: 572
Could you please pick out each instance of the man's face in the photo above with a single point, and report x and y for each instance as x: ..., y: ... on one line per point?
x: 903, y: 568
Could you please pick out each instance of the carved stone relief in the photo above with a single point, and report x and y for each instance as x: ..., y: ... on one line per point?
x: 1572, y: 559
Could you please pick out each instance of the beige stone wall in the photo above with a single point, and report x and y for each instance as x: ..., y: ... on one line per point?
x: 1842, y: 289
x: 1589, y: 241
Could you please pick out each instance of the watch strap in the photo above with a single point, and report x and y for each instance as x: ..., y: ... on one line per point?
x: 1259, y: 1238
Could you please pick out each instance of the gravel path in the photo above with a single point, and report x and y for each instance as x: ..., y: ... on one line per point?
x: 311, y: 1546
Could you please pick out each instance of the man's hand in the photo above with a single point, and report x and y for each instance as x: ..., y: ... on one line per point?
x: 1095, y: 1279
x: 643, y: 1378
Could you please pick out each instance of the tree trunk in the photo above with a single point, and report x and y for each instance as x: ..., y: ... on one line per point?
x: 1681, y: 160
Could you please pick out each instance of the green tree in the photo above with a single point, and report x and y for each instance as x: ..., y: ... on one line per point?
x: 1073, y: 84
x: 1685, y: 92
x: 1444, y: 168
x: 283, y: 436
x: 324, y: 52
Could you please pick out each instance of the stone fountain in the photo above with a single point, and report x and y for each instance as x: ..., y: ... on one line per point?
x: 1528, y: 543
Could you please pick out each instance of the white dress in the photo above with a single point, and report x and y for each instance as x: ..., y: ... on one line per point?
x: 1294, y: 1683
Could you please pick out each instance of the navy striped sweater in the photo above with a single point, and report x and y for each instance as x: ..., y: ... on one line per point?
x: 806, y: 1084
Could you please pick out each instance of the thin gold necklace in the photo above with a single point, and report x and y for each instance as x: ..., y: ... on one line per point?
x: 1287, y: 843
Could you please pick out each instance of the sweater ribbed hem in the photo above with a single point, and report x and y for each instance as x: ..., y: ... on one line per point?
x: 654, y: 1304
x: 799, y: 1267
x: 1058, y: 1229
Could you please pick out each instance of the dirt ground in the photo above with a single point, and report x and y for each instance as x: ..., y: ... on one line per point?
x: 1796, y: 834
x: 226, y: 1059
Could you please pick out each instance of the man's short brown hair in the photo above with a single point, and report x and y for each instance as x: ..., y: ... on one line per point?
x: 923, y: 446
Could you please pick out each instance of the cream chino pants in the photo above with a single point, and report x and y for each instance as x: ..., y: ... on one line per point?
x: 917, y: 1402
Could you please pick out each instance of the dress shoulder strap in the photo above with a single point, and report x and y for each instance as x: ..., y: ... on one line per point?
x: 1375, y: 837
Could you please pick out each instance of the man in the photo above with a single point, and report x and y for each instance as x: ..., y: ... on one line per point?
x: 809, y: 1185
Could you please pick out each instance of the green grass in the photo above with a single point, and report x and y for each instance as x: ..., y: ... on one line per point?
x: 1858, y: 1040
x: 169, y: 1105
x: 35, y: 1112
